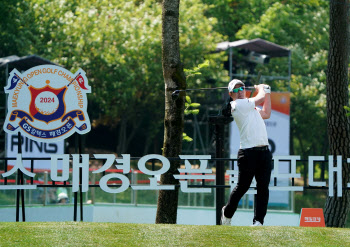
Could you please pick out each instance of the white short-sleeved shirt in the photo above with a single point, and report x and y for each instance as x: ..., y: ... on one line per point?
x: 252, y: 129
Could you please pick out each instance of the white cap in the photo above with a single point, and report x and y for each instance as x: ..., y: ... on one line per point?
x: 62, y: 196
x: 233, y: 83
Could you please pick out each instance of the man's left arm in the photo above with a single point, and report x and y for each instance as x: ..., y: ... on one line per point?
x: 265, y: 113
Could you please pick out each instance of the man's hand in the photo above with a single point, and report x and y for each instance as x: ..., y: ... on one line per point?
x: 260, y: 96
x: 262, y: 88
x: 267, y: 88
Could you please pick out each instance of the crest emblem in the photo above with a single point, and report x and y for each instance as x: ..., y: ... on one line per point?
x: 47, y: 103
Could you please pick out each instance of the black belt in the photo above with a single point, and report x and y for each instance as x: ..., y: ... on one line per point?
x: 262, y: 148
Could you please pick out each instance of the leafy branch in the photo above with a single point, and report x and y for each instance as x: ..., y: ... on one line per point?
x: 192, y: 108
x: 196, y: 70
x: 348, y: 110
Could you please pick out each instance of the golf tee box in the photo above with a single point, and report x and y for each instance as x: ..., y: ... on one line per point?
x: 312, y: 217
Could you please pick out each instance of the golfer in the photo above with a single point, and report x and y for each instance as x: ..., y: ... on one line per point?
x: 254, y: 156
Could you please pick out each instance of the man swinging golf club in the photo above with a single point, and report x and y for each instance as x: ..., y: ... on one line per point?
x: 254, y: 156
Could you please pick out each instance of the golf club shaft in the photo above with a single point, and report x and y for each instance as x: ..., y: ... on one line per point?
x: 198, y: 89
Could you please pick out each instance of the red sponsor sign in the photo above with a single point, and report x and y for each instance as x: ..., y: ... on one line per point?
x: 312, y: 217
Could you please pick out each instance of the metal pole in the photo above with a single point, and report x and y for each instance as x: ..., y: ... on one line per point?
x: 20, y: 179
x: 93, y: 188
x: 6, y: 97
x: 230, y: 60
x: 45, y: 188
x: 75, y: 208
x: 220, y: 171
x: 17, y: 198
x: 220, y: 122
x: 22, y: 198
x: 78, y: 149
x: 81, y: 179
x: 81, y: 193
x: 135, y: 191
x: 289, y: 68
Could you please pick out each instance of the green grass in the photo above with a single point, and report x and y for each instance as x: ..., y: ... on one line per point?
x: 114, y: 234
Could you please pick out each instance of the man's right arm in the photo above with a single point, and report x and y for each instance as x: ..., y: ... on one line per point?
x: 263, y: 97
x: 260, y: 97
x: 265, y: 113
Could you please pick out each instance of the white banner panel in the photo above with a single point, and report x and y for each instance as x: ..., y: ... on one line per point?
x: 33, y: 149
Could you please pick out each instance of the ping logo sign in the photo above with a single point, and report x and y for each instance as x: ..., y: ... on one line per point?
x: 47, y: 103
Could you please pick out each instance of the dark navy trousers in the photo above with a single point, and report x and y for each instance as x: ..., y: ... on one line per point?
x: 252, y: 162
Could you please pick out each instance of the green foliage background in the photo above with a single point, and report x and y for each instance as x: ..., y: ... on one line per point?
x: 118, y: 43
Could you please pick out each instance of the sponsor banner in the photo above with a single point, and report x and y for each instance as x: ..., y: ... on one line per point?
x: 33, y: 149
x: 47, y: 103
x: 312, y: 217
x: 75, y: 166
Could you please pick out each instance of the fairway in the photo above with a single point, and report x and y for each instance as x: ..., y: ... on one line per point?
x: 115, y: 234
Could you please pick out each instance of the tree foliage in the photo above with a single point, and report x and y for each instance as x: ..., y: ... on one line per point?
x: 303, y: 27
x: 118, y: 44
x: 233, y: 14
x: 17, y: 33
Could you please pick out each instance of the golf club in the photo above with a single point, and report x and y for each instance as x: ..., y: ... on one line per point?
x: 176, y: 93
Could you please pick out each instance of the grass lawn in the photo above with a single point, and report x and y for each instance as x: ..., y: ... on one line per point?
x: 115, y: 234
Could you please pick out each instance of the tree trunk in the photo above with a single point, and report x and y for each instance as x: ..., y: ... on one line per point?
x: 337, y: 208
x: 174, y: 78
